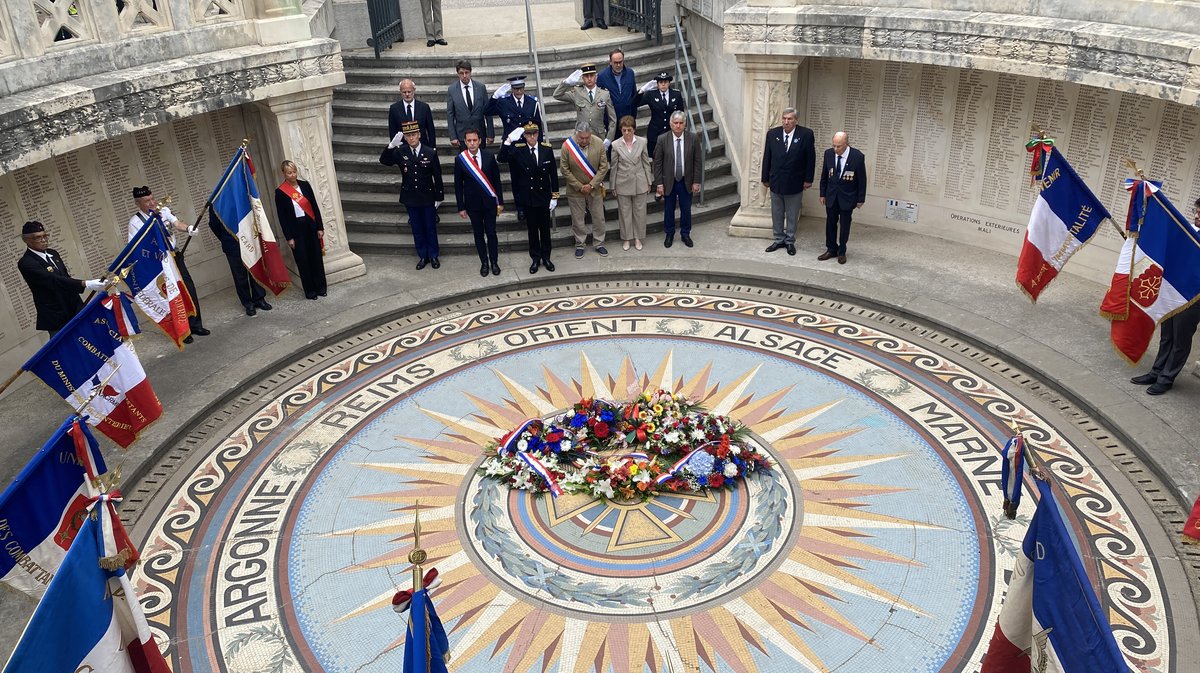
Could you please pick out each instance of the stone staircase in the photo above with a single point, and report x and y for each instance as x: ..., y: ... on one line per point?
x: 375, y: 220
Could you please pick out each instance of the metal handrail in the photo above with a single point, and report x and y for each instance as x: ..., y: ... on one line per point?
x: 644, y: 16
x: 690, y: 91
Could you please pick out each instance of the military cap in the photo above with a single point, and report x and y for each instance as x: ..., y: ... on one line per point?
x: 663, y: 76
x: 517, y: 82
x: 531, y: 127
x: 139, y: 192
x: 32, y: 227
x: 589, y: 68
x: 410, y: 127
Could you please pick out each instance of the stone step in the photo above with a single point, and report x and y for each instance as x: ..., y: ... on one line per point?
x: 512, y: 236
x: 635, y: 46
x: 425, y: 75
x: 376, y: 211
x: 364, y: 171
x: 377, y: 108
x: 434, y: 91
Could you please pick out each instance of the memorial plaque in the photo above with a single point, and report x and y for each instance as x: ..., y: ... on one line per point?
x: 1173, y: 159
x: 202, y: 168
x: 892, y: 160
x: 11, y: 220
x: 931, y: 127
x: 228, y: 130
x: 84, y: 195
x: 1087, y: 140
x: 38, y: 192
x: 156, y: 151
x: 1005, y: 165
x: 826, y: 109
x: 1052, y: 108
x: 968, y: 133
x: 862, y: 107
x: 120, y: 176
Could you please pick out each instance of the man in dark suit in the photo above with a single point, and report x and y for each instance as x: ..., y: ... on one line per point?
x: 843, y: 189
x: 480, y: 196
x: 408, y: 109
x: 678, y: 168
x: 536, y: 190
x: 466, y: 101
x: 789, y: 159
x: 55, y: 292
x: 249, y: 292
x: 1174, y: 341
x: 421, y: 189
x: 663, y: 101
x: 515, y: 110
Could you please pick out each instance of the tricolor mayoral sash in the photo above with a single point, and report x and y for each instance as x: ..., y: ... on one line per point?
x: 580, y: 158
x: 477, y: 173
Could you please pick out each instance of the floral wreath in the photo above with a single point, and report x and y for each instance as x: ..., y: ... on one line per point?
x: 658, y: 443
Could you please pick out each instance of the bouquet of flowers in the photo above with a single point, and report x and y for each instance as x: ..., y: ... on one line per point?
x: 659, y: 442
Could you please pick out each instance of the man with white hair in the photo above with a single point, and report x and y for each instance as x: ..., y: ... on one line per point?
x: 584, y: 165
x: 843, y: 190
x: 678, y: 168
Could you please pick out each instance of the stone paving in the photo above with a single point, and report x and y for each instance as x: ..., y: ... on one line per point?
x: 967, y: 296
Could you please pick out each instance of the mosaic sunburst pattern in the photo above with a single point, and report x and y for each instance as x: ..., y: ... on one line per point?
x: 872, y: 545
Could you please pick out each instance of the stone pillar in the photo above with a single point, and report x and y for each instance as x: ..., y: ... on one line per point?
x: 299, y: 128
x: 280, y: 22
x: 767, y: 87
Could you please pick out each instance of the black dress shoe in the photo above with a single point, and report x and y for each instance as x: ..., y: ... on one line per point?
x: 322, y: 293
x: 495, y: 269
x: 484, y: 270
x: 601, y: 25
x: 548, y: 264
x: 310, y: 295
x: 200, y: 331
x: 1144, y: 379
x: 520, y: 216
x: 421, y: 264
x: 188, y: 339
x: 841, y: 259
x: 791, y: 249
x: 430, y: 43
x: 1158, y: 388
x: 435, y: 263
x: 251, y: 311
x: 442, y: 42
x: 534, y: 267
x: 687, y: 240
x: 262, y: 303
x: 669, y: 241
x: 586, y: 25
x: 774, y: 246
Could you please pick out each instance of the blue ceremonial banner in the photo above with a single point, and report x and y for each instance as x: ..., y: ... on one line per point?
x: 1012, y: 474
x: 90, y: 618
x: 1051, y: 619
x: 43, y: 508
x: 147, y: 265
x: 426, y: 648
x: 91, y: 355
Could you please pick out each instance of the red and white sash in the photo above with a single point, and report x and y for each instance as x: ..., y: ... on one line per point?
x: 296, y: 195
x: 576, y: 152
x: 477, y: 173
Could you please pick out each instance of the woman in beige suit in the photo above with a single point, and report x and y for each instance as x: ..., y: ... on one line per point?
x: 629, y: 169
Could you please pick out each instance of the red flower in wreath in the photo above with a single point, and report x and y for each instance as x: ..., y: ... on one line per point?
x: 716, y: 480
x: 601, y: 429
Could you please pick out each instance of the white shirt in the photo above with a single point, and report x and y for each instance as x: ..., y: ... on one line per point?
x: 136, y: 222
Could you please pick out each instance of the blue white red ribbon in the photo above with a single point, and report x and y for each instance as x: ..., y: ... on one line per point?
x: 477, y: 173
x: 542, y: 471
x: 670, y: 473
x: 580, y: 158
x: 1012, y: 473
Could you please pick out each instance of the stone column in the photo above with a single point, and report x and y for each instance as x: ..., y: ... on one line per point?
x: 767, y: 88
x: 280, y: 21
x: 299, y: 128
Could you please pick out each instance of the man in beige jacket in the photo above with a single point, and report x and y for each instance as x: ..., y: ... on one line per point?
x: 591, y: 103
x: 584, y: 166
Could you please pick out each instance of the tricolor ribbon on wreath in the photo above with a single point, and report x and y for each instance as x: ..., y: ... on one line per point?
x: 536, y: 466
x: 1040, y: 148
x: 679, y: 464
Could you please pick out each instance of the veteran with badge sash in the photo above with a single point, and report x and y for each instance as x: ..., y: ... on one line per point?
x: 843, y: 189
x: 421, y: 189
x: 535, y: 188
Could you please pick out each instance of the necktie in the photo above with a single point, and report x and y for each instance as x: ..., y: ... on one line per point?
x: 839, y: 167
x: 592, y: 95
x: 533, y: 152
x: 787, y: 141
x: 679, y: 158
x: 410, y: 114
x: 467, y: 97
x: 664, y: 98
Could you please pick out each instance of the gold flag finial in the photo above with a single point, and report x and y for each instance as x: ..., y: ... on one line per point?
x: 1132, y: 165
x: 417, y: 556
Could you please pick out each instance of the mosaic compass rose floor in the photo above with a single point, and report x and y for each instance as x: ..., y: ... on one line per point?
x: 874, y: 544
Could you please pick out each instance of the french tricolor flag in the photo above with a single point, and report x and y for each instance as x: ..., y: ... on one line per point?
x: 43, y: 508
x: 90, y: 618
x: 1051, y: 619
x: 147, y: 265
x: 1064, y: 218
x: 1158, y: 271
x: 236, y: 205
x: 92, y: 365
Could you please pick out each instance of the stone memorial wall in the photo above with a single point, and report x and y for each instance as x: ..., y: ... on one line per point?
x: 948, y: 144
x: 83, y: 198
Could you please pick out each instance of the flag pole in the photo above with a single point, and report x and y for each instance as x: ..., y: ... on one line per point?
x: 217, y: 190
x: 417, y: 556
